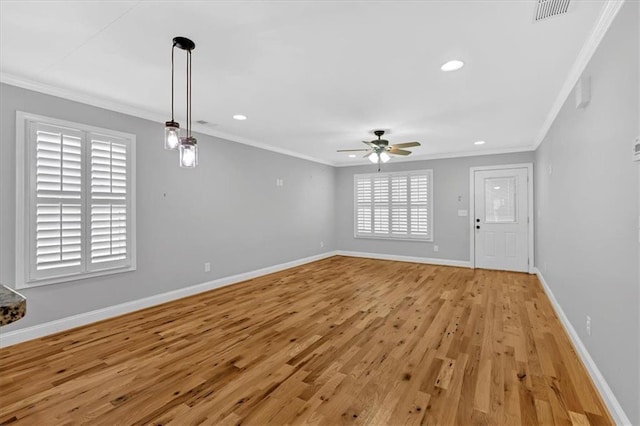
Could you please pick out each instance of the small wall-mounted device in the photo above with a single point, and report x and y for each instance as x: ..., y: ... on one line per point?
x: 636, y: 149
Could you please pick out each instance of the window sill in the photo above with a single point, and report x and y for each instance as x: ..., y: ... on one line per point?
x: 376, y: 237
x: 73, y: 277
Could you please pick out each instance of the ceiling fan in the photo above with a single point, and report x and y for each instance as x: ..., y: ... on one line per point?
x: 379, y: 149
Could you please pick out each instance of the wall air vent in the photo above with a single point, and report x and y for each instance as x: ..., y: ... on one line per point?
x: 549, y: 8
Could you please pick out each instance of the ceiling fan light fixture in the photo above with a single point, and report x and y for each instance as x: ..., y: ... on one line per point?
x: 384, y: 157
x: 373, y: 157
x: 452, y: 65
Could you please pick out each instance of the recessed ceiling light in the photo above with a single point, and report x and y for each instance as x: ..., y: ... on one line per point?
x: 352, y: 156
x: 478, y: 143
x: 496, y: 187
x: 239, y: 117
x: 452, y: 65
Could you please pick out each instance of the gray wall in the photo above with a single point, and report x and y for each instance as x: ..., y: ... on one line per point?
x: 450, y: 231
x: 227, y: 211
x: 587, y: 210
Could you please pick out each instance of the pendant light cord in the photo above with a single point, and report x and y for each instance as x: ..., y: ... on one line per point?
x: 190, y: 85
x: 188, y: 98
x: 173, y: 48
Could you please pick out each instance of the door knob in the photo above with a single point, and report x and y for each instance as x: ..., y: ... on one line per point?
x: 477, y: 226
x: 477, y: 220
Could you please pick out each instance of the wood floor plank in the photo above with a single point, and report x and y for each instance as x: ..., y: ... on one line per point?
x: 339, y: 341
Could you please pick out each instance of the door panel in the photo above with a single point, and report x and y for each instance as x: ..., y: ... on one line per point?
x: 501, y: 223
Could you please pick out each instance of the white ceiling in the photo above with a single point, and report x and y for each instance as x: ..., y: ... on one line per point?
x: 312, y: 77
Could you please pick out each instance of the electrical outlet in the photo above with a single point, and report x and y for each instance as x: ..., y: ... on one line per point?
x: 436, y: 248
x: 550, y: 169
x: 207, y: 266
x: 588, y: 325
x: 321, y: 244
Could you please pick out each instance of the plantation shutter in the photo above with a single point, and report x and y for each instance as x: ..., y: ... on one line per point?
x: 76, y: 201
x: 363, y: 205
x: 109, y: 200
x: 57, y: 200
x: 381, y: 205
x: 394, y: 205
x: 399, y: 208
x: 419, y: 188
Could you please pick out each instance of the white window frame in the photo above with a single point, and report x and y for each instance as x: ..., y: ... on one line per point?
x: 25, y: 188
x: 407, y: 174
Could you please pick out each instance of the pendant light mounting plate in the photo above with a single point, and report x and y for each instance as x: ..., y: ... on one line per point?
x: 184, y: 43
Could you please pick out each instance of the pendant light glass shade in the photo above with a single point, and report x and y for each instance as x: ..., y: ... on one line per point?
x: 384, y: 157
x: 373, y: 157
x: 188, y: 153
x: 171, y: 135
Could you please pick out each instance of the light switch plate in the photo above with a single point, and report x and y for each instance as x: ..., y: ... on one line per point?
x: 463, y: 213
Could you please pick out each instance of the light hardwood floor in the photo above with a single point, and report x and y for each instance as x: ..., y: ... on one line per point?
x: 342, y: 340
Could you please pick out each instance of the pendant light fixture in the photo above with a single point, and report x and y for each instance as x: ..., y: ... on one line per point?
x: 188, y: 145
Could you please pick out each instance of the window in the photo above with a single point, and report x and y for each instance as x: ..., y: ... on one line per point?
x: 394, y: 205
x: 76, y: 201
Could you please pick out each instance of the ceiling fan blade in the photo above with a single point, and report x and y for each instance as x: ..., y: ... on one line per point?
x: 397, y: 151
x: 351, y: 150
x: 405, y: 145
x: 371, y: 144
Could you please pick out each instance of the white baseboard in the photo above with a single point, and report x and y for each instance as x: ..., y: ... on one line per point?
x: 413, y: 259
x: 51, y: 327
x: 608, y: 396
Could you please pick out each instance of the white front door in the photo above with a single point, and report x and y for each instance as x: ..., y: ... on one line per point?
x: 501, y: 219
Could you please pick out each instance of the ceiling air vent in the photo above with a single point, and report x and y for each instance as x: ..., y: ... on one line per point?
x: 549, y: 8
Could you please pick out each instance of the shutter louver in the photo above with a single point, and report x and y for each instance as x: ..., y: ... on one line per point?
x: 108, y: 200
x: 364, y: 220
x: 419, y: 206
x: 58, y: 209
x: 399, y: 220
x: 108, y: 233
x: 363, y: 208
x: 58, y: 164
x: 381, y: 205
x: 58, y: 235
x: 108, y: 170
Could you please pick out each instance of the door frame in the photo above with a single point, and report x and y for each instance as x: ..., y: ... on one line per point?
x: 472, y: 208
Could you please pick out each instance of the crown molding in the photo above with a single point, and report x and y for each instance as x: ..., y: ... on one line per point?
x: 445, y: 155
x: 96, y: 101
x: 607, y: 15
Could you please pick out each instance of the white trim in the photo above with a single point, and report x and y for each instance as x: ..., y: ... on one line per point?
x: 607, y: 15
x: 51, y: 327
x: 472, y: 209
x: 426, y: 157
x: 411, y: 259
x: 598, y: 379
x: 96, y: 101
x: 21, y: 191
